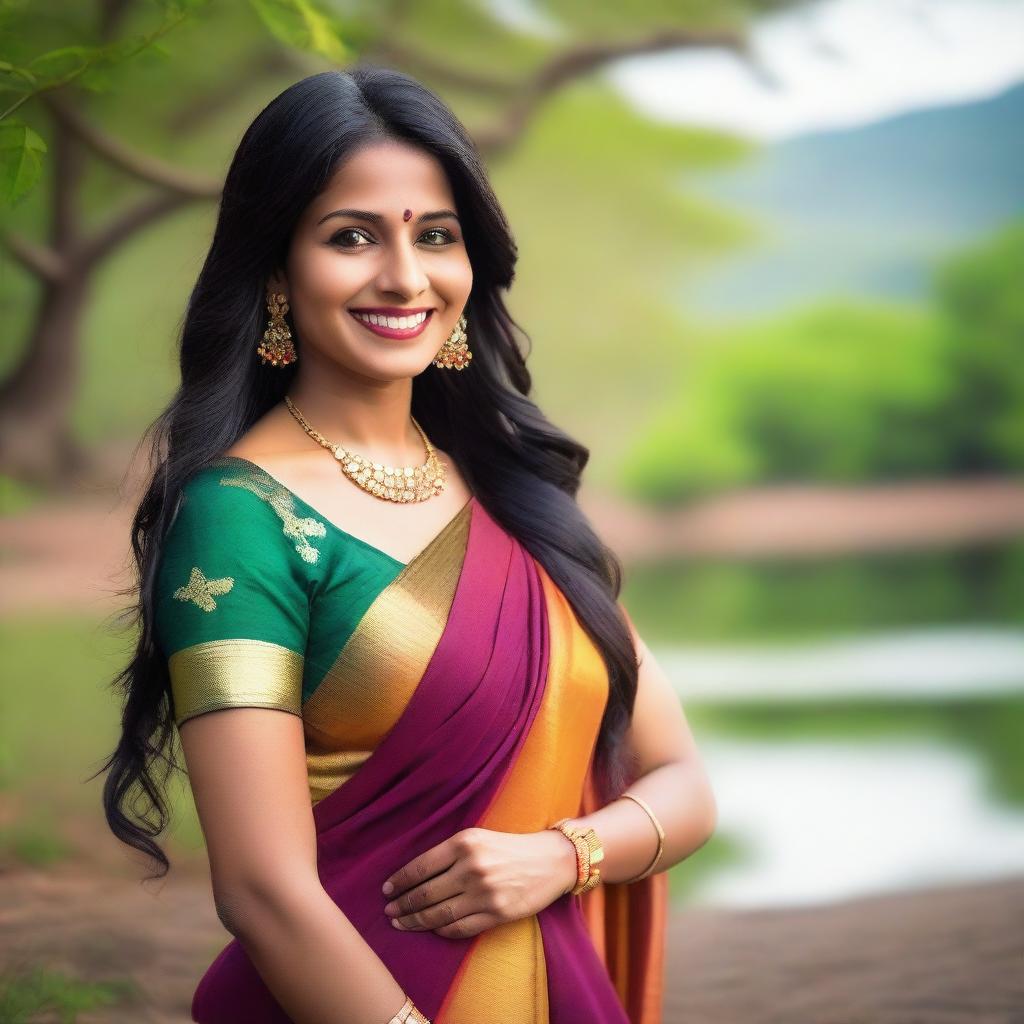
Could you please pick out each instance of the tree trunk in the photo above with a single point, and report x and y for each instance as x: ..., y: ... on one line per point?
x: 36, y: 439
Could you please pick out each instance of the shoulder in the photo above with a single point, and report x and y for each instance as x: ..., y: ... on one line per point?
x: 239, y: 503
x: 232, y: 566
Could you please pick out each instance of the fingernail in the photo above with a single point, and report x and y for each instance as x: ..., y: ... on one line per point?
x: 388, y: 888
x: 396, y: 922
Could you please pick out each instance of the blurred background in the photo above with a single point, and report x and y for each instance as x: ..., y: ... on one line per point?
x: 771, y: 260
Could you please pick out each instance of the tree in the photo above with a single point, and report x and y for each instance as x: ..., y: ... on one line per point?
x: 289, y: 38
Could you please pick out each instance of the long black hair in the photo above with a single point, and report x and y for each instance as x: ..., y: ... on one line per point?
x: 522, y: 469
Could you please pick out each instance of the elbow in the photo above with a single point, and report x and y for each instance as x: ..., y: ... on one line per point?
x: 704, y: 809
x: 248, y: 909
x: 232, y: 910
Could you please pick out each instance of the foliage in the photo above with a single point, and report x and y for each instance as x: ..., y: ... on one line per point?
x: 844, y: 392
x: 784, y: 600
x: 300, y: 24
x: 982, y: 299
x: 95, y: 66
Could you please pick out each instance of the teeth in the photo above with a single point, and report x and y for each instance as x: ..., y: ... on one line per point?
x: 394, y: 322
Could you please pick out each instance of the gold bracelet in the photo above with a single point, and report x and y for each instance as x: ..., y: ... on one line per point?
x: 661, y: 836
x: 408, y: 1014
x: 589, y: 852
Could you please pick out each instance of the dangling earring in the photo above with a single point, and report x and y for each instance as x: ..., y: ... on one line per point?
x: 277, y: 347
x: 454, y: 353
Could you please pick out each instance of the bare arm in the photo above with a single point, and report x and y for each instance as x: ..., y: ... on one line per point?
x: 671, y: 779
x: 248, y: 772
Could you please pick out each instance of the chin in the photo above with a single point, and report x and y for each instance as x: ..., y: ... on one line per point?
x: 400, y: 365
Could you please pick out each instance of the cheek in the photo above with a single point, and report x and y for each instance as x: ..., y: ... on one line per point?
x: 455, y: 276
x: 321, y: 278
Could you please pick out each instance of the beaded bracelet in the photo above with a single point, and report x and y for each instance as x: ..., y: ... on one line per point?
x: 589, y: 852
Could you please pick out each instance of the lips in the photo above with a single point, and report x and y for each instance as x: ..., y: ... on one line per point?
x: 393, y: 332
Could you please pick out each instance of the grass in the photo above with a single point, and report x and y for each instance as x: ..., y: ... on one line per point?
x: 17, y: 496
x: 25, y: 995
x: 35, y: 841
x: 59, y: 721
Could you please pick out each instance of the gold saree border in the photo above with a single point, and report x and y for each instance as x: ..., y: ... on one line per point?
x: 370, y: 683
x: 220, y: 674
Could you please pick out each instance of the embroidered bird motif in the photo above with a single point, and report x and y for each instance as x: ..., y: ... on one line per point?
x: 201, y: 590
x: 295, y: 527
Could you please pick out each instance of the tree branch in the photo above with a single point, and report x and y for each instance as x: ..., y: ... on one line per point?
x: 439, y: 72
x: 572, y: 63
x: 139, y: 165
x: 41, y: 260
x: 581, y: 60
x: 124, y: 224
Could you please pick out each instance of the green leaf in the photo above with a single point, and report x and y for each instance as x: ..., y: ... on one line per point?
x: 20, y: 160
x: 56, y: 64
x: 16, y: 79
x: 99, y: 77
x: 300, y: 24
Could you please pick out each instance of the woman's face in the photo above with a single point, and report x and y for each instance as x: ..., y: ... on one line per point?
x: 381, y: 238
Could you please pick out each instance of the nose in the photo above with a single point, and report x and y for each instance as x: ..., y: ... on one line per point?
x: 402, y: 271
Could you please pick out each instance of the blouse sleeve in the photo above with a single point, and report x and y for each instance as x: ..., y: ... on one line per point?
x: 232, y: 604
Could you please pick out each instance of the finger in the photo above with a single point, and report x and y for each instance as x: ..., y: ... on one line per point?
x: 425, y: 895
x: 444, y: 912
x: 437, y: 859
x: 467, y: 927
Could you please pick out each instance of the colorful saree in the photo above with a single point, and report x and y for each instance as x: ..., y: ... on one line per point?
x: 455, y: 690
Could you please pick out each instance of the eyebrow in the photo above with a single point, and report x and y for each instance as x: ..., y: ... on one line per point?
x: 376, y: 218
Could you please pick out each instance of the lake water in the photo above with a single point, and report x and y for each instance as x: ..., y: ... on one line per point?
x: 857, y: 766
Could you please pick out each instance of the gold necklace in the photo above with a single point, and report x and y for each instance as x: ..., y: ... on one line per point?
x: 389, y: 483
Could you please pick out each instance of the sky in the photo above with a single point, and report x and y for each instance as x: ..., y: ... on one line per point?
x: 837, y: 64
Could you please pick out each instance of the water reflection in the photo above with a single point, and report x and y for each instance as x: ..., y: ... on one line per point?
x: 927, y: 663
x: 820, y: 821
x: 851, y: 767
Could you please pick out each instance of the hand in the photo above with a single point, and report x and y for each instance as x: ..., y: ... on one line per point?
x: 479, y: 878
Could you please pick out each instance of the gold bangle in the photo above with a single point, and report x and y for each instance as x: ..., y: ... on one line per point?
x: 404, y: 1010
x: 589, y: 852
x: 408, y: 1014
x: 661, y: 836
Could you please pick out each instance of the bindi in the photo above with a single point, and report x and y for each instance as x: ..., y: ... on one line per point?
x: 407, y: 215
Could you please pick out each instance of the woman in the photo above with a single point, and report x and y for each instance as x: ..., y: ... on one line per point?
x: 359, y: 519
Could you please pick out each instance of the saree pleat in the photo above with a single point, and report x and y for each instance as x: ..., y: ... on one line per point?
x: 544, y: 785
x: 495, y: 734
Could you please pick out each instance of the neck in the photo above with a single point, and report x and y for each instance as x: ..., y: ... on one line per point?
x: 370, y: 418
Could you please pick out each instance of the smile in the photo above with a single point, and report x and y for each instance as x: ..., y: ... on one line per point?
x: 394, y: 326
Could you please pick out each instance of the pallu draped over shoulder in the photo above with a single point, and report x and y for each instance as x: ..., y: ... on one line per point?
x: 456, y: 690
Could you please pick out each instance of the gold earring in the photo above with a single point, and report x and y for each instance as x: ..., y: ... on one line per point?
x: 454, y: 353
x: 277, y: 347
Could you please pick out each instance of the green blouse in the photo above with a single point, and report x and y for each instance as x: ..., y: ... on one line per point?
x: 259, y: 599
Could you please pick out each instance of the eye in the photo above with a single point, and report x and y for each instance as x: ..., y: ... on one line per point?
x: 336, y: 238
x: 444, y: 233
x: 447, y: 238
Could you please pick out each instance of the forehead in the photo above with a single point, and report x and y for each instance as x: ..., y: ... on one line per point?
x: 386, y: 177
